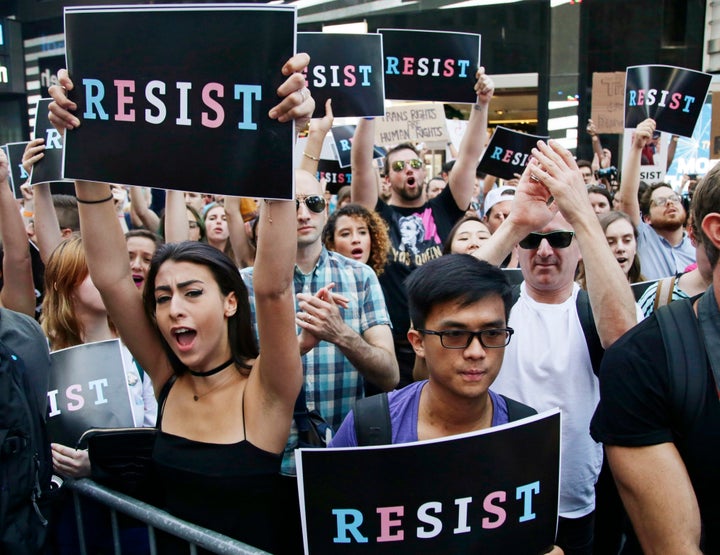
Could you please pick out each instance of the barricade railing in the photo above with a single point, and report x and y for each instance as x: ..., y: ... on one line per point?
x: 154, y: 518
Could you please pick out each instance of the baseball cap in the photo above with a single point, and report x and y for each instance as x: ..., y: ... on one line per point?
x: 499, y: 194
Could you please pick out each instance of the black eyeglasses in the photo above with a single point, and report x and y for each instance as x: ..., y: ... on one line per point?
x: 314, y: 203
x: 399, y: 165
x: 557, y: 239
x: 493, y: 338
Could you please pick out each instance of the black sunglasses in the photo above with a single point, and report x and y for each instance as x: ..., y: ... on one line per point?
x: 314, y: 203
x: 557, y: 239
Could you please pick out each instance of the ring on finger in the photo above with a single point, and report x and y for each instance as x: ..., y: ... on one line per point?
x: 534, y: 177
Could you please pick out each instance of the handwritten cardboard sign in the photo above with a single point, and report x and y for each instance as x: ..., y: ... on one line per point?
x: 412, y: 122
x: 608, y: 94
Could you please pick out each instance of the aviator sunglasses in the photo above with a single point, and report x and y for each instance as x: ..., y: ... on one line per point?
x: 557, y: 239
x: 399, y: 165
x: 314, y: 203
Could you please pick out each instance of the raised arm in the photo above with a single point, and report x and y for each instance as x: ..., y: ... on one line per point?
x: 462, y: 176
x: 611, y: 298
x: 140, y: 206
x: 319, y: 128
x: 47, y: 228
x: 595, y: 138
x: 630, y: 181
x: 244, y: 252
x: 18, y: 292
x: 277, y: 376
x: 658, y: 496
x: 177, y: 227
x: 106, y: 253
x: 363, y: 186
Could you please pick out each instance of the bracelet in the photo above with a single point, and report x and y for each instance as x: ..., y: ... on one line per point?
x: 27, y: 214
x: 311, y: 157
x: 99, y: 201
x: 478, y: 107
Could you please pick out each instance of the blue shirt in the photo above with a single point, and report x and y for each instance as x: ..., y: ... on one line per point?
x: 332, y: 384
x: 658, y: 258
x: 404, y: 408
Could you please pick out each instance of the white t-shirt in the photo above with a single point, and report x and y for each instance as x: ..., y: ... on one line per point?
x: 142, y: 396
x: 547, y: 365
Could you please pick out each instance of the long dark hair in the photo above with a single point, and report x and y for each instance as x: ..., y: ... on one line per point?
x: 240, y: 333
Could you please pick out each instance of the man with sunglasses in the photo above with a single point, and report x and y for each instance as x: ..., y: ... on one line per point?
x: 407, y: 210
x: 549, y: 361
x: 345, y: 328
x: 663, y: 246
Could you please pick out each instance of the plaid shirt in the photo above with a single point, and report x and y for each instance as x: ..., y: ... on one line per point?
x: 332, y: 384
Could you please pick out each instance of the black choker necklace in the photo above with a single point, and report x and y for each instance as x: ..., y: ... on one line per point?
x: 213, y: 371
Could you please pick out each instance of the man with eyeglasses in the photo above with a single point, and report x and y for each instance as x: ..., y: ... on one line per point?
x: 549, y: 362
x: 460, y: 330
x: 345, y: 328
x: 408, y: 210
x: 663, y: 246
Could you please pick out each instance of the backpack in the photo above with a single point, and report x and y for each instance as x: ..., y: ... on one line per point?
x: 25, y: 460
x: 372, y: 418
x: 687, y: 362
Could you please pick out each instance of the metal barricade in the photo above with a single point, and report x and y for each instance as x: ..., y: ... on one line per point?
x: 194, y: 535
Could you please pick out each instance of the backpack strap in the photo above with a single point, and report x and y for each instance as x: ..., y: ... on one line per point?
x: 517, y: 410
x: 372, y: 420
x: 667, y: 283
x: 592, y: 338
x: 587, y: 322
x: 686, y: 360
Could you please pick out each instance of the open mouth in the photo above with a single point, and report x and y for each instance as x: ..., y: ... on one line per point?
x: 621, y: 260
x: 184, y: 337
x: 410, y: 181
x: 356, y: 253
x: 139, y: 279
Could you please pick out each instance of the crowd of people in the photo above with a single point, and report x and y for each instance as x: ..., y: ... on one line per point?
x: 236, y: 316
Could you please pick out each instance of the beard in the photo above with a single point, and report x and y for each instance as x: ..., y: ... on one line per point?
x: 410, y: 195
x: 669, y: 223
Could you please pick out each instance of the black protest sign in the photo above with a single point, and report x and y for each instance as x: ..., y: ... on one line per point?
x: 178, y: 97
x: 334, y: 175
x: 508, y: 152
x: 88, y: 389
x: 49, y: 167
x: 346, y: 68
x: 672, y: 96
x: 430, y: 65
x: 342, y: 144
x: 18, y: 174
x: 494, y: 491
x: 49, y: 67
x: 10, y: 176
